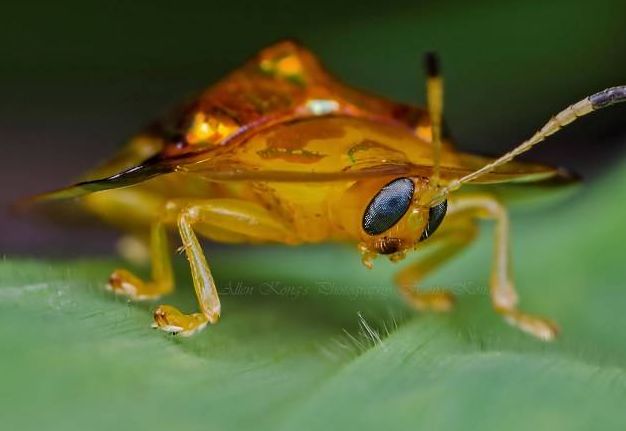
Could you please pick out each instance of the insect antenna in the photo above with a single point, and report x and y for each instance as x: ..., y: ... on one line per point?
x: 602, y: 99
x: 434, y: 103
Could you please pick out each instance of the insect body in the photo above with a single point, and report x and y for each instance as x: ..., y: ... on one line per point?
x: 281, y: 152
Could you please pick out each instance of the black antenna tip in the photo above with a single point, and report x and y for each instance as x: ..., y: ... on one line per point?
x: 431, y: 63
x: 608, y: 97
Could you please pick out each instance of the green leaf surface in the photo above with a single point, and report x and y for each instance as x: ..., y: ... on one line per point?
x: 311, y: 340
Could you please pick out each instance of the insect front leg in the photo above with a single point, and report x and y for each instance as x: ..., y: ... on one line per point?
x: 169, y: 318
x: 124, y: 282
x: 503, y: 294
x: 228, y: 219
x: 441, y: 248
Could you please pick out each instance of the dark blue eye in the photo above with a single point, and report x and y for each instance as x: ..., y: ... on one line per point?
x: 388, y: 206
x: 435, y: 217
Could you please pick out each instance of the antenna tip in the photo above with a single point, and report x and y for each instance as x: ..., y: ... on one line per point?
x: 608, y: 97
x: 431, y: 64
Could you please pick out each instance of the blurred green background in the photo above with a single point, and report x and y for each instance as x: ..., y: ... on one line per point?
x: 77, y: 78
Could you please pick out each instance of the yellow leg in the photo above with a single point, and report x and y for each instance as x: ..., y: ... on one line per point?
x: 446, y: 245
x: 503, y: 294
x: 123, y: 282
x: 225, y: 215
x: 169, y: 318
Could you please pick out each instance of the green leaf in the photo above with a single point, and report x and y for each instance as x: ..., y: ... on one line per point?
x: 310, y: 339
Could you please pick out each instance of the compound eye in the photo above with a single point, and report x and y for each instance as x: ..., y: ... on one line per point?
x: 388, y: 206
x: 435, y: 217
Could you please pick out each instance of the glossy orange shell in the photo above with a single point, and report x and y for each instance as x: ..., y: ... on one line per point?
x: 282, y: 117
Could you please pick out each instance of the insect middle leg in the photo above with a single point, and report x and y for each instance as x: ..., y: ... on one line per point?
x: 226, y: 219
x: 441, y: 248
x: 124, y: 282
x: 133, y: 210
x: 503, y: 294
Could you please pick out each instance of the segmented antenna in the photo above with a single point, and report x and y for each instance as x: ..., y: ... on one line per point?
x: 434, y: 103
x: 602, y: 99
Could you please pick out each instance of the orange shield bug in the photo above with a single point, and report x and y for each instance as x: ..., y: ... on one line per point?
x: 279, y: 151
